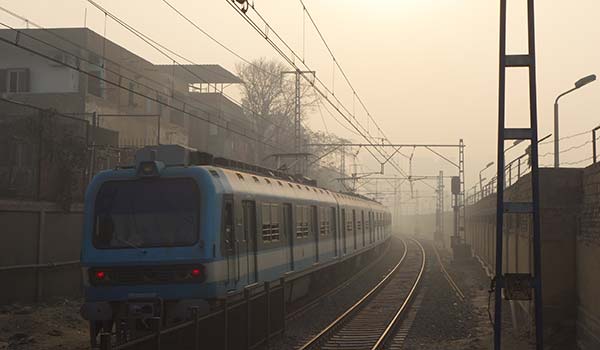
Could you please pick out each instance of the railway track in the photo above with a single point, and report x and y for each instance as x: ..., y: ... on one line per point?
x: 370, y: 322
x: 316, y: 302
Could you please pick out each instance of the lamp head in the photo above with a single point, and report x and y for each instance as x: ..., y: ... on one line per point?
x: 585, y: 80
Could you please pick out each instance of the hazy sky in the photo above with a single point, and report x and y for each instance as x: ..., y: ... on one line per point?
x: 426, y: 69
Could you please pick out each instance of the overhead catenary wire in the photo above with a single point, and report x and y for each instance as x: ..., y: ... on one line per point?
x: 160, y: 47
x: 338, y: 65
x: 211, y: 37
x: 322, y: 89
x: 150, y: 98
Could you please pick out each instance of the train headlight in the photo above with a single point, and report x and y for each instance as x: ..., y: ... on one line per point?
x: 150, y: 168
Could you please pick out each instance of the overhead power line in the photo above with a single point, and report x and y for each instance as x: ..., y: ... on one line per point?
x: 338, y: 65
x: 119, y: 85
x: 162, y: 48
x: 133, y: 72
x: 322, y: 88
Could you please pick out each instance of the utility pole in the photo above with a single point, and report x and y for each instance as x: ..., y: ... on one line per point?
x: 343, y: 165
x: 439, y: 217
x: 518, y: 286
x: 298, y: 142
x: 417, y: 213
x: 462, y: 198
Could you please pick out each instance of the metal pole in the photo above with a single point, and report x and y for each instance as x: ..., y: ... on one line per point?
x: 594, y: 143
x: 556, y: 138
x: 158, y: 131
x: 500, y: 194
x: 94, y: 133
x: 535, y: 193
x: 480, y: 181
x: 298, y: 126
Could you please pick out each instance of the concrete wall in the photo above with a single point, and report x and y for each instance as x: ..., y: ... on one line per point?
x: 39, y: 252
x: 588, y: 262
x: 560, y: 200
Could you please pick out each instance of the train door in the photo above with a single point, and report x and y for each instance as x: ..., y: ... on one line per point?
x: 334, y: 230
x: 314, y: 223
x: 354, y: 226
x: 343, y: 226
x: 249, y: 223
x: 230, y: 243
x: 288, y: 232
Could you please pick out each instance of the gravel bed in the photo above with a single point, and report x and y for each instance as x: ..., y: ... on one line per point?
x: 309, y: 324
x: 443, y: 320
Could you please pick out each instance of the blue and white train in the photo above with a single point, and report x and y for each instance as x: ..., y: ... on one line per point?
x: 167, y: 234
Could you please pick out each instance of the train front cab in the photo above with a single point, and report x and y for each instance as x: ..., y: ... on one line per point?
x: 146, y: 248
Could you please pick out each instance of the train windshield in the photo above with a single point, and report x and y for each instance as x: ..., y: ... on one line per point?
x: 147, y: 213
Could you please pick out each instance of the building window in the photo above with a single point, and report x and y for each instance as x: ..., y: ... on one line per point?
x: 17, y: 80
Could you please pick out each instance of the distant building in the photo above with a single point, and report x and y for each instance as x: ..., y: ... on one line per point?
x: 131, y: 109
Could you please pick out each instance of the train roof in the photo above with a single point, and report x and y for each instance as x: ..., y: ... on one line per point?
x: 246, y: 176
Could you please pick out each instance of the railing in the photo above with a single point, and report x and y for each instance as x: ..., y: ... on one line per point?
x: 514, y: 170
x: 594, y: 138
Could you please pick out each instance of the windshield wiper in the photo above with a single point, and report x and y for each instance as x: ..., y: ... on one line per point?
x: 130, y: 244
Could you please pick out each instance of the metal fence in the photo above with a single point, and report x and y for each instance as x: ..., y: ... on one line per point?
x: 50, y: 156
x: 521, y: 166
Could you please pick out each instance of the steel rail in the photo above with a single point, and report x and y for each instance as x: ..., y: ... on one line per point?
x: 310, y: 305
x: 340, y: 321
x: 389, y: 331
x: 449, y: 278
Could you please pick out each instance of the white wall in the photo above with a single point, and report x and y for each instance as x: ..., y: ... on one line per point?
x: 45, y: 76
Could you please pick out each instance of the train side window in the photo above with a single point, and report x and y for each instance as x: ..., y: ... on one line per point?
x: 302, y: 219
x: 299, y: 221
x: 275, y: 233
x: 325, y: 225
x: 332, y: 222
x: 266, y: 222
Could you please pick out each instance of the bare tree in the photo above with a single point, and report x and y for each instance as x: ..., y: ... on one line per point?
x: 269, y: 95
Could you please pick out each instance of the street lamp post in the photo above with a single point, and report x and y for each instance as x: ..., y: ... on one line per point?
x: 480, y: 178
x: 578, y: 84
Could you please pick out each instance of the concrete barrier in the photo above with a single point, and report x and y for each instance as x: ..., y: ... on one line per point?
x: 560, y: 208
x: 39, y: 251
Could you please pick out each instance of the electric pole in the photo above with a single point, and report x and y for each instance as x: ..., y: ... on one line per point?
x: 298, y: 142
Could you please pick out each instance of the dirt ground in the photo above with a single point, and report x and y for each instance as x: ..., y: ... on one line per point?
x: 43, y: 326
x: 475, y: 284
